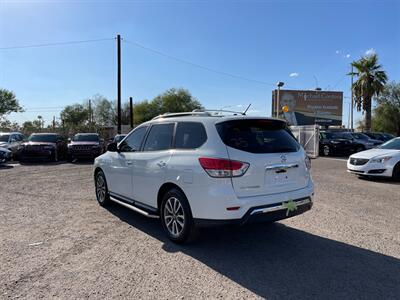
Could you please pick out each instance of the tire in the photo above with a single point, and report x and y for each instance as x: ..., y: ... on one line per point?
x: 54, y: 157
x: 359, y: 149
x: 101, y: 189
x: 396, y: 172
x: 326, y: 150
x: 176, y: 217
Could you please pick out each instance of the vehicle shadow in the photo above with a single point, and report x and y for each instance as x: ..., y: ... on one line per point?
x: 6, y: 166
x: 279, y: 262
x: 380, y: 180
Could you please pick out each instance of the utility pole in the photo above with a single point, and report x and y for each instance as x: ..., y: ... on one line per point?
x: 90, y: 115
x: 352, y: 99
x: 119, y: 83
x: 131, y: 111
x: 54, y: 122
x: 279, y: 84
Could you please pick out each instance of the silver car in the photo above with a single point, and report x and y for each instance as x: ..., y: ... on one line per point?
x: 11, y: 141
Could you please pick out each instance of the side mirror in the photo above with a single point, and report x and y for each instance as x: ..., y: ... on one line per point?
x: 112, y: 147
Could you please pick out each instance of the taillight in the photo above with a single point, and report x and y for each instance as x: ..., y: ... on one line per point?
x: 222, y: 168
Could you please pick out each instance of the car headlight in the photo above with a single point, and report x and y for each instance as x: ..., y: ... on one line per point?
x: 69, y: 145
x: 381, y: 160
x: 96, y: 147
x: 335, y: 142
x: 48, y: 147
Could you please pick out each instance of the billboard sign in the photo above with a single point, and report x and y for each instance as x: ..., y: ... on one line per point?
x: 309, y: 107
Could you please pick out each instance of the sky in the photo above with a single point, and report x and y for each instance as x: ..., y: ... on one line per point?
x: 226, y: 53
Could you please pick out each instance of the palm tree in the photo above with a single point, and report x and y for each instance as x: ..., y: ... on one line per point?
x: 370, y: 82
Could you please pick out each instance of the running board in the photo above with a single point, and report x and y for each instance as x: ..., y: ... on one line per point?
x: 134, y: 208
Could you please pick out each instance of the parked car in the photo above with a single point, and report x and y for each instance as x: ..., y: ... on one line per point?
x: 5, y: 155
x: 334, y: 143
x: 85, y: 145
x: 197, y: 169
x: 381, y: 161
x: 43, y: 146
x: 11, y: 141
x: 118, y: 138
x: 360, y: 138
x: 379, y: 136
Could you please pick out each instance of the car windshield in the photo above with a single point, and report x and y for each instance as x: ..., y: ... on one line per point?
x: 86, y: 138
x: 360, y: 136
x: 4, y: 137
x: 343, y: 135
x: 47, y: 138
x: 330, y: 135
x: 392, y: 144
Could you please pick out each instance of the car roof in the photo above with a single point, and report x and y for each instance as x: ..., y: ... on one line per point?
x: 209, y: 119
x: 87, y: 133
x: 14, y: 132
x: 49, y: 133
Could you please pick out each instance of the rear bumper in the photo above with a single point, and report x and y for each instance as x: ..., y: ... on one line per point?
x: 265, y: 213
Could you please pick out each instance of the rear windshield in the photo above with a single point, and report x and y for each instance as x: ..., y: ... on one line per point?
x: 257, y: 136
x: 86, y: 138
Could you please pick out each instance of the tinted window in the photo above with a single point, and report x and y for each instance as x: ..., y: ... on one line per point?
x: 257, y: 136
x: 190, y: 135
x: 86, y: 138
x: 4, y: 137
x: 47, y: 138
x: 134, y: 140
x: 392, y: 144
x: 160, y: 137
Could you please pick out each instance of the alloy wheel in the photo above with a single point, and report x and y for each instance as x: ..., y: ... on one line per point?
x: 100, y: 188
x: 174, y: 216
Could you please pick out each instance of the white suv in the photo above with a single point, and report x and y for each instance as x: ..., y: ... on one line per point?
x: 198, y: 169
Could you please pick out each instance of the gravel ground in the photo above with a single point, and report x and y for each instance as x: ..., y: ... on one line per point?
x: 56, y: 242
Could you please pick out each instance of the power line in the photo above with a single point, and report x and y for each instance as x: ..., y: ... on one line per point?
x: 56, y: 44
x: 196, y: 64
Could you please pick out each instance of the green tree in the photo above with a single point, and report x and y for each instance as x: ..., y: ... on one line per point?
x: 75, y: 116
x: 172, y: 100
x: 386, y: 116
x: 31, y: 126
x: 370, y: 82
x: 104, y: 111
x: 8, y: 103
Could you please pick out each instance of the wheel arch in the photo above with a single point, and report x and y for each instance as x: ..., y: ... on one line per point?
x: 165, y: 188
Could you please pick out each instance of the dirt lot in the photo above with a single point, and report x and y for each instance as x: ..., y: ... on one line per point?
x: 56, y: 242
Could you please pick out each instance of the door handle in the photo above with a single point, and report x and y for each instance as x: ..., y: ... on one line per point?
x: 129, y: 162
x: 161, y: 164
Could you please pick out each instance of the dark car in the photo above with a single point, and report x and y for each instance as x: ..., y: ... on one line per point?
x: 50, y: 146
x: 336, y: 143
x: 85, y: 145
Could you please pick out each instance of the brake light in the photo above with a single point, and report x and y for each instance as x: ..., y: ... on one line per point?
x: 222, y: 168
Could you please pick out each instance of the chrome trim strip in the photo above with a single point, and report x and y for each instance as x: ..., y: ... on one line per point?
x: 281, y: 166
x: 278, y: 207
x: 134, y: 208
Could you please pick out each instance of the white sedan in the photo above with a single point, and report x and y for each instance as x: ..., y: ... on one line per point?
x: 383, y: 161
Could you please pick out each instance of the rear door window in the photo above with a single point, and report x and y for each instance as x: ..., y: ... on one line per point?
x: 159, y: 137
x: 190, y: 135
x: 257, y: 136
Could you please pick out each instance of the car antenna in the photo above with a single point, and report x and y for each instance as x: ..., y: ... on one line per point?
x: 245, y: 111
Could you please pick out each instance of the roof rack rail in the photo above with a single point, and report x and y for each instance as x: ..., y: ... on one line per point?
x: 216, y: 112
x: 183, y: 114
